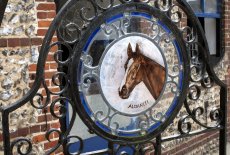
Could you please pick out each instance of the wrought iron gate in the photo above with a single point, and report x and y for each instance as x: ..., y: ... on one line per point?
x: 115, y: 51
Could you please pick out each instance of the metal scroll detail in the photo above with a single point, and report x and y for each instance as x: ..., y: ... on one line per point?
x: 101, y: 79
x: 82, y: 22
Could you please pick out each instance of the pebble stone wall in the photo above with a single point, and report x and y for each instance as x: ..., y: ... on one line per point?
x: 24, y: 26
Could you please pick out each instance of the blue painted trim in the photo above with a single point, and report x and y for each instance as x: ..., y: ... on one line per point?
x: 94, y: 144
x: 208, y: 15
x: 140, y: 14
x: 90, y: 39
x: 218, y: 6
x: 102, y: 126
x: 153, y: 127
x: 79, y: 70
x: 172, y: 107
x: 164, y: 27
x: 175, y: 43
x: 128, y: 134
x: 85, y: 105
x: 114, y: 18
x: 67, y: 116
x: 128, y: 149
x: 90, y: 144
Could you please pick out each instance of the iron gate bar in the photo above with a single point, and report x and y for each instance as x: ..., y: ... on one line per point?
x: 6, y: 132
x: 38, y: 80
x: 222, y: 127
x: 223, y: 131
x: 3, y: 4
x: 158, y: 145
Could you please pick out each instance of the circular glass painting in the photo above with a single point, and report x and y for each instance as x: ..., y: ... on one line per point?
x: 132, y: 74
x: 129, y: 78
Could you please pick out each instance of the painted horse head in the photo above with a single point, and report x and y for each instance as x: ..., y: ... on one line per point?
x: 142, y: 69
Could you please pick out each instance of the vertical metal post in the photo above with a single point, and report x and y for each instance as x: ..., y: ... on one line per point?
x: 3, y: 4
x: 202, y: 3
x: 6, y: 133
x: 59, y: 4
x: 223, y: 131
x: 111, y: 150
x: 223, y: 94
x: 158, y: 145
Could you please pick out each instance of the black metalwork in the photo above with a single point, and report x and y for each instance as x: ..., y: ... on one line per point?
x: 75, y: 23
x: 3, y: 4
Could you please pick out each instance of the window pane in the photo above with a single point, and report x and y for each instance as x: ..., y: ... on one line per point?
x: 211, y: 6
x: 195, y: 4
x: 210, y: 31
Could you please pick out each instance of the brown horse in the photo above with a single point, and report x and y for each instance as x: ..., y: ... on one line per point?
x: 142, y: 69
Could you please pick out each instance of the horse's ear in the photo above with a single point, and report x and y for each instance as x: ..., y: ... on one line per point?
x: 130, y: 51
x: 138, y: 50
x: 138, y: 53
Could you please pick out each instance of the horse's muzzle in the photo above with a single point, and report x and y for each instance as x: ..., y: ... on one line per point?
x: 124, y: 93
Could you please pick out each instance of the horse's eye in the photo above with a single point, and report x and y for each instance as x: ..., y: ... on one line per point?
x: 133, y: 77
x: 134, y: 74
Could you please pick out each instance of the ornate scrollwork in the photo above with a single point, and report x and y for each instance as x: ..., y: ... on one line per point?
x: 184, y: 126
x: 163, y: 5
x: 71, y: 30
x: 70, y: 142
x: 175, y: 14
x: 123, y: 150
x: 64, y: 137
x: 84, y: 11
x: 57, y: 54
x: 52, y: 131
x: 23, y: 146
x: 38, y: 101
x: 194, y: 92
x: 102, y: 4
x: 189, y: 33
x: 61, y: 105
x: 157, y: 116
x: 207, y: 82
x: 216, y: 115
x: 101, y: 116
x: 90, y: 71
x: 61, y: 76
x: 147, y: 148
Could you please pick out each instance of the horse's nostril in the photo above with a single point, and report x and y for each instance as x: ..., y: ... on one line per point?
x: 124, y: 92
x: 124, y: 89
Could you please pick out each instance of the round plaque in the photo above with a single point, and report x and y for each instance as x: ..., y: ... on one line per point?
x: 133, y: 77
x: 129, y: 72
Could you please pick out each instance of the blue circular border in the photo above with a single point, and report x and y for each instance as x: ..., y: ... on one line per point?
x: 175, y: 100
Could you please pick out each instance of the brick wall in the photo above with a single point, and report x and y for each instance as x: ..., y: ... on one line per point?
x: 208, y: 143
x: 23, y: 29
x: 46, y: 11
x: 227, y: 49
x: 21, y: 42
